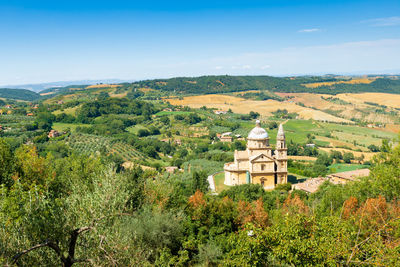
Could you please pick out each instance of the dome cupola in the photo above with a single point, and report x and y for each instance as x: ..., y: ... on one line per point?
x: 258, y: 133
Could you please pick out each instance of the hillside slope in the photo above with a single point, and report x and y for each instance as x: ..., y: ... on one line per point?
x: 18, y: 94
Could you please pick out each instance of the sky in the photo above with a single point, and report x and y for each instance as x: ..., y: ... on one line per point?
x: 48, y: 41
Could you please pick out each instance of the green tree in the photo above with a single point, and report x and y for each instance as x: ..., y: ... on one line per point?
x: 7, y: 164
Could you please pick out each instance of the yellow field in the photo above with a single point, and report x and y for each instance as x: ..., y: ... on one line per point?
x: 244, y: 106
x: 311, y: 100
x: 390, y: 100
x: 302, y: 158
x: 367, y: 155
x: 103, y: 86
x: 337, y: 143
x: 48, y: 93
x: 352, y: 81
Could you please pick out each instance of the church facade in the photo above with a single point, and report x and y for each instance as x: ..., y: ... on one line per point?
x: 259, y: 163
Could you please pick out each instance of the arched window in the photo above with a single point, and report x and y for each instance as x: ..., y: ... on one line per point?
x: 262, y: 181
x: 262, y: 167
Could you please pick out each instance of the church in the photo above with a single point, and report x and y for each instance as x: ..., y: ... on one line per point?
x: 259, y: 163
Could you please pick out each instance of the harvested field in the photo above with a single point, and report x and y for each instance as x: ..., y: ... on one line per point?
x: 48, y: 93
x: 302, y: 158
x: 390, y: 100
x: 311, y: 100
x: 394, y: 128
x: 367, y: 155
x: 103, y: 86
x: 243, y: 106
x: 352, y: 81
x: 336, y: 143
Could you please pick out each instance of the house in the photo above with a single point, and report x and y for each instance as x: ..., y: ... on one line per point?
x: 345, y: 177
x: 171, y: 169
x: 225, y: 137
x: 178, y: 142
x: 219, y: 112
x: 29, y: 114
x: 9, y: 106
x: 259, y: 163
x: 310, y: 145
x: 310, y: 185
x: 53, y: 133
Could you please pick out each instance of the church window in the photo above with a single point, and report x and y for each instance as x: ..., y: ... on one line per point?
x: 262, y: 182
x: 262, y: 167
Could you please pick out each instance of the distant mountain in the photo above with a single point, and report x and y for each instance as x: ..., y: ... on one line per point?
x: 18, y: 94
x: 43, y: 86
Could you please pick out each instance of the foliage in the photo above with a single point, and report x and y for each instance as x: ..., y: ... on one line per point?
x: 19, y: 94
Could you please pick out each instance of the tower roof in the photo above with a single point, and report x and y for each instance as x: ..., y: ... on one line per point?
x: 258, y: 132
x: 281, y: 133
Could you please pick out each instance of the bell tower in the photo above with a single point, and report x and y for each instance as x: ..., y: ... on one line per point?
x: 281, y: 156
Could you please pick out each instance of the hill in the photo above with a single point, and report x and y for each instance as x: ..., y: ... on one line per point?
x: 37, y: 87
x: 18, y: 94
x: 226, y: 84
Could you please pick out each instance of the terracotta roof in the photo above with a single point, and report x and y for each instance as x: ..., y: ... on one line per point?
x: 310, y: 185
x: 351, y: 175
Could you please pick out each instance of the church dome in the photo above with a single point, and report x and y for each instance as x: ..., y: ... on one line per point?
x: 258, y: 132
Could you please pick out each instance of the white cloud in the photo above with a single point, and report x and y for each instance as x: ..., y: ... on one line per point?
x: 246, y: 67
x: 309, y: 30
x: 383, y: 22
x: 218, y: 67
x: 265, y: 67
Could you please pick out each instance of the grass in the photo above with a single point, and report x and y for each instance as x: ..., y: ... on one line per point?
x: 70, y: 111
x: 219, y: 182
x: 135, y: 129
x: 59, y: 126
x: 342, y: 167
x: 167, y: 113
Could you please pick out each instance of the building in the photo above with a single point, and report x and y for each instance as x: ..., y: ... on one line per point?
x: 53, y: 133
x: 259, y: 163
x: 220, y: 112
x: 310, y: 185
x: 171, y: 169
x: 225, y: 137
x: 344, y: 177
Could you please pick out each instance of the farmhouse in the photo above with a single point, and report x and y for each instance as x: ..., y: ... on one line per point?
x: 220, y: 112
x: 310, y: 185
x: 259, y: 163
x: 225, y: 137
x: 53, y: 133
x: 344, y: 177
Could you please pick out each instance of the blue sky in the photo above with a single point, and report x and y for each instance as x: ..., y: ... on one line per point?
x: 44, y: 41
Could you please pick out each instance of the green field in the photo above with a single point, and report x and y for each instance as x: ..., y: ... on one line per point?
x: 167, y: 113
x: 135, y: 129
x: 342, y: 167
x: 69, y: 111
x: 219, y: 182
x: 59, y: 126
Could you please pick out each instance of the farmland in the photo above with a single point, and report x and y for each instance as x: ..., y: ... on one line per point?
x: 265, y: 108
x: 351, y: 81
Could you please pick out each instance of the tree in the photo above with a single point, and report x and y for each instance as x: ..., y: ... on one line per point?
x: 45, y: 120
x: 254, y: 115
x: 7, y: 164
x: 348, y: 157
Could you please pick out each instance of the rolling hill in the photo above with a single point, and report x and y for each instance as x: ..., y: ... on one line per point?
x: 18, y: 94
